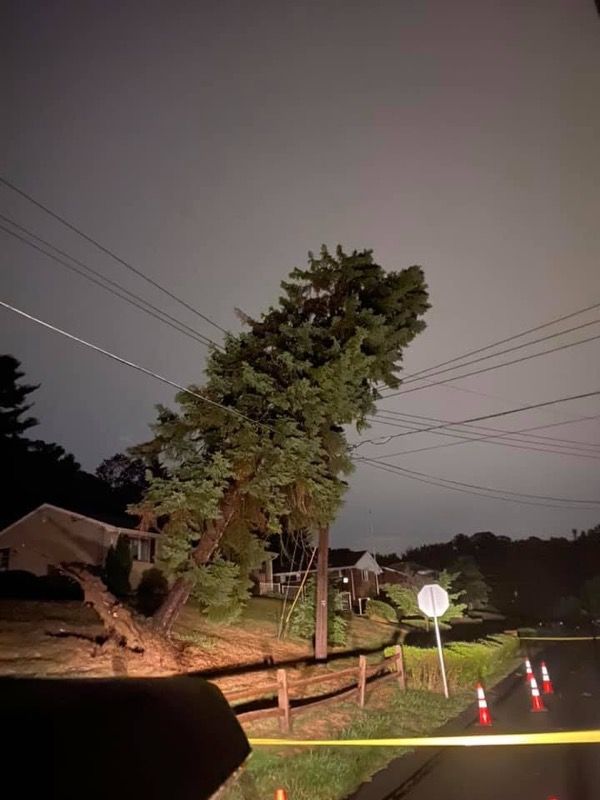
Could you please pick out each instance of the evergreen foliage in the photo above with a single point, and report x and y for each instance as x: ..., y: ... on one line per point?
x: 117, y: 567
x: 404, y: 598
x: 13, y: 396
x: 151, y: 591
x: 40, y: 472
x: 308, y: 366
x: 469, y: 579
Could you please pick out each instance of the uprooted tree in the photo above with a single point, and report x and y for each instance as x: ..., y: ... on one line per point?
x: 261, y: 444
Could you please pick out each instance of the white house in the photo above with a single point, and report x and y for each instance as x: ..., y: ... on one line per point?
x: 49, y: 536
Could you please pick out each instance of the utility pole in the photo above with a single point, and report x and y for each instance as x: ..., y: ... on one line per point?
x: 321, y: 598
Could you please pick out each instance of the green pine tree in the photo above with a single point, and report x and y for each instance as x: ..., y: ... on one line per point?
x: 308, y: 366
x: 13, y: 396
x: 117, y: 567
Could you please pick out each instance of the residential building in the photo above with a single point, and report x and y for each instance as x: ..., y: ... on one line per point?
x: 48, y: 536
x: 407, y: 573
x: 355, y: 573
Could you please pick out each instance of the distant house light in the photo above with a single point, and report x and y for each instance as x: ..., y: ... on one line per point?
x: 345, y: 579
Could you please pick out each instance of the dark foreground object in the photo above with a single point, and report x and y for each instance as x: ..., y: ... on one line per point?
x: 116, y: 739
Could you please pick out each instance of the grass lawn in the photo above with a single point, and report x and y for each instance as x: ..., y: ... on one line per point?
x: 253, y: 638
x: 329, y: 774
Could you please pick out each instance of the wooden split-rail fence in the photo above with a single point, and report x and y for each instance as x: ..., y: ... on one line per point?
x: 290, y: 698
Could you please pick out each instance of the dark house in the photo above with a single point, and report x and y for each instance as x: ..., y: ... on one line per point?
x: 406, y: 573
x: 355, y: 573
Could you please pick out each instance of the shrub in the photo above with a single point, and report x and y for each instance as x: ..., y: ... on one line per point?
x: 22, y: 585
x: 152, y: 590
x: 377, y: 609
x: 18, y: 584
x: 55, y: 586
x: 118, y: 567
x: 302, y: 623
x: 466, y: 662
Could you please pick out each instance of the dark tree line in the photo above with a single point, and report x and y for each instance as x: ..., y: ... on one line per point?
x: 37, y: 472
x: 527, y: 578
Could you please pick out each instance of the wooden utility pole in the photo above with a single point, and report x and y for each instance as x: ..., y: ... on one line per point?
x: 321, y: 598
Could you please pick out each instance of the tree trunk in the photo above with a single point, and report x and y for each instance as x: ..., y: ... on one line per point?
x: 129, y: 636
x: 177, y: 597
x: 321, y: 598
x: 179, y: 593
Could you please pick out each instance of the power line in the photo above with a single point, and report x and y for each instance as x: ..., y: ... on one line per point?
x: 524, y: 432
x: 504, y: 341
x: 481, y: 418
x: 460, y: 487
x: 110, y: 253
x: 135, y: 366
x: 491, y: 489
x: 106, y: 283
x: 408, y: 381
x: 489, y: 439
x: 387, y: 467
x: 496, y: 366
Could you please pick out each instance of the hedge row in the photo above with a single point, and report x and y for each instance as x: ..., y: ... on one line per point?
x: 466, y: 662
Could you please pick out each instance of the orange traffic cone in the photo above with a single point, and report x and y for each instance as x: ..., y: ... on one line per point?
x: 280, y: 794
x: 528, y: 671
x: 547, y: 687
x: 484, y: 714
x: 536, y: 700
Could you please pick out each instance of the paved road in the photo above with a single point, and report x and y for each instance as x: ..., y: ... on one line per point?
x: 530, y: 773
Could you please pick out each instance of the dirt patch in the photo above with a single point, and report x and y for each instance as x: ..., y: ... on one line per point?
x: 51, y: 639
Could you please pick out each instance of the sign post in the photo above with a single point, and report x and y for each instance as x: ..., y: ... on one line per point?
x: 434, y: 602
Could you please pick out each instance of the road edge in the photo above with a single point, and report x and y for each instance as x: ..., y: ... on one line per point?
x: 404, y: 772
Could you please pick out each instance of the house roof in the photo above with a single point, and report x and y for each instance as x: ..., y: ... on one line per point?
x: 73, y: 515
x: 339, y: 558
x: 342, y: 557
x: 409, y: 568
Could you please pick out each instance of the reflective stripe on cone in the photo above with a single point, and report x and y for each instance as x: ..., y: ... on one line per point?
x: 536, y: 700
x: 547, y: 687
x: 484, y: 714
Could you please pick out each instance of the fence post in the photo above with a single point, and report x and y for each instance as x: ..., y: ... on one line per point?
x: 399, y: 660
x: 362, y: 680
x: 283, y: 701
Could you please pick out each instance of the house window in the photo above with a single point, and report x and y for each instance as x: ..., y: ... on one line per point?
x: 143, y: 549
x: 365, y: 574
x: 4, y: 557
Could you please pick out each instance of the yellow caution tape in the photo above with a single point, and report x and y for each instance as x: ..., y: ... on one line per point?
x: 558, y: 638
x: 556, y: 737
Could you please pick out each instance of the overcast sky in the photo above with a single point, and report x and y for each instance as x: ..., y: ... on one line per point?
x: 213, y: 143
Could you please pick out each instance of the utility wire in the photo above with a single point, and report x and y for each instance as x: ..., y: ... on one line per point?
x: 408, y: 381
x: 491, y: 489
x: 110, y: 253
x: 106, y: 283
x: 400, y: 471
x: 481, y: 418
x: 489, y: 439
x: 387, y: 467
x: 135, y: 366
x: 524, y: 432
x: 496, y: 366
x: 505, y: 341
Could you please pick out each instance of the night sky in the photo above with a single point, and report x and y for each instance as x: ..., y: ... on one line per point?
x: 213, y: 144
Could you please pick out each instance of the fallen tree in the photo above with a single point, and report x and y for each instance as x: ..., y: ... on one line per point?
x: 262, y: 443
x: 127, y: 635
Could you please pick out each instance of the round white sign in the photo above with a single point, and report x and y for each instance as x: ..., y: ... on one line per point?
x: 433, y: 600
